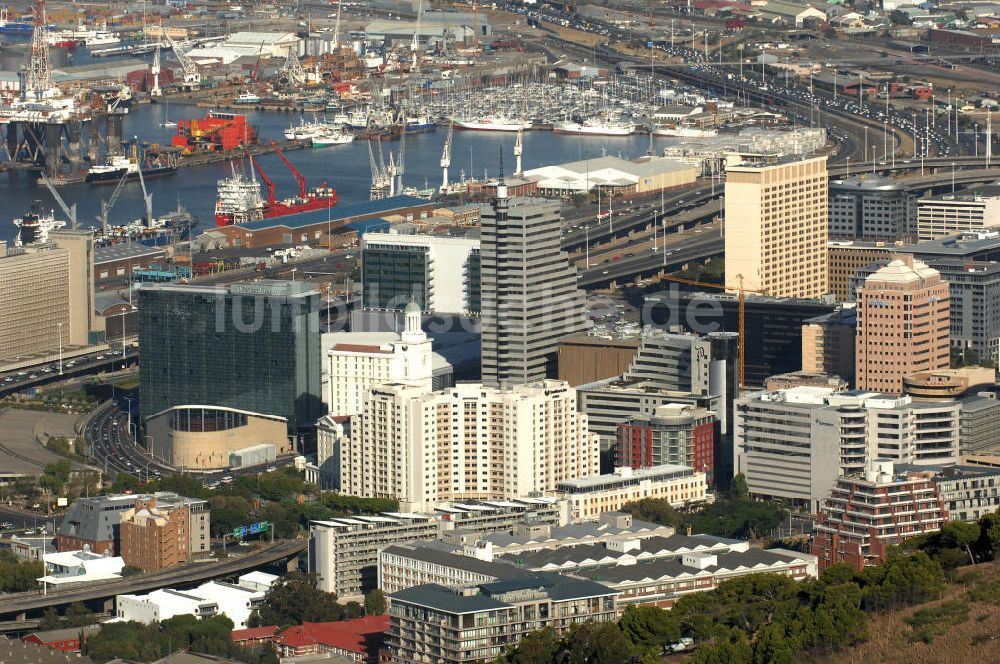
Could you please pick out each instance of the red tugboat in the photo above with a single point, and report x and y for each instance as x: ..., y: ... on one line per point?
x: 239, y: 199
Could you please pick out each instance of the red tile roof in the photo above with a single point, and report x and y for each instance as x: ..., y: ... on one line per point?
x: 254, y: 633
x: 353, y: 635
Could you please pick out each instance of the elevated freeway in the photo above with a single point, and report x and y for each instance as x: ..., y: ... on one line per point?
x: 17, y: 606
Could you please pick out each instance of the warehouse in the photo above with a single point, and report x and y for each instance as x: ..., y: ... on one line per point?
x: 246, y: 44
x: 307, y: 227
x: 614, y: 174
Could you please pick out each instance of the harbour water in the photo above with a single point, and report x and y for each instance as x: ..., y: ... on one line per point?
x: 345, y: 167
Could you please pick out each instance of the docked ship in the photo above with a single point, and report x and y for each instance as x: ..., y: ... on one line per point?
x: 491, y: 124
x: 35, y: 225
x: 118, y: 166
x: 594, y: 128
x: 168, y: 229
x: 420, y: 124
x: 331, y: 136
x: 83, y: 35
x: 10, y: 27
x: 685, y: 132
x: 240, y: 201
x: 247, y: 97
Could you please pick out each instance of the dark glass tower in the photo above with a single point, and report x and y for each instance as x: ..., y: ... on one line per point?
x: 254, y: 346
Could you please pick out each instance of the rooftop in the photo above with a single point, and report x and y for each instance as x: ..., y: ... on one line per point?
x: 665, y: 471
x: 904, y: 270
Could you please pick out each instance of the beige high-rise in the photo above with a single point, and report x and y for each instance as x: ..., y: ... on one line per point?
x: 46, y: 292
x: 776, y: 226
x: 903, y: 325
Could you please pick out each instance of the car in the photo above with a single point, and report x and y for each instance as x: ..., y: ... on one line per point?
x: 606, y: 272
x: 32, y: 376
x: 99, y: 357
x: 270, y: 469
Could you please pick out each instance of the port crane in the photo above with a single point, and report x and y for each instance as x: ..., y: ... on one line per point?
x: 192, y: 77
x: 69, y: 210
x: 292, y: 74
x: 147, y: 198
x: 519, y: 147
x: 741, y: 292
x: 268, y: 182
x: 155, y: 71
x: 106, y: 205
x: 446, y: 157
x: 415, y: 46
x: 400, y: 168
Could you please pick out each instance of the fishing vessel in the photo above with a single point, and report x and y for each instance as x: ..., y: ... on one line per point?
x: 685, y: 132
x: 594, y: 128
x: 247, y: 97
x: 35, y: 225
x: 240, y: 200
x: 82, y: 34
x: 117, y: 166
x: 491, y: 124
x: 419, y: 124
x: 331, y: 136
x: 171, y: 228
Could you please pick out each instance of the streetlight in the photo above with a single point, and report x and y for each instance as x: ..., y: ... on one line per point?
x: 953, y: 177
x: 848, y: 167
x: 60, y: 349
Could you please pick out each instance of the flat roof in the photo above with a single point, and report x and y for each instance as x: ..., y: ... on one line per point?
x: 391, y: 205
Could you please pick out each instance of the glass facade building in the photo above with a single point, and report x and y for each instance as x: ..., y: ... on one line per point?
x: 394, y: 276
x: 253, y: 347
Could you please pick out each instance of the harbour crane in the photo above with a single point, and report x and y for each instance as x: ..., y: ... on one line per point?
x: 336, y: 28
x: 741, y: 292
x: 415, y: 46
x: 519, y: 148
x: 446, y: 157
x: 401, y: 166
x: 155, y: 70
x: 378, y: 187
x: 147, y: 198
x: 192, y: 77
x: 70, y: 210
x: 106, y: 205
x: 292, y: 74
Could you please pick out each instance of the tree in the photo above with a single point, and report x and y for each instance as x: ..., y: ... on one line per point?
x: 739, y: 490
x: 538, y: 647
x: 295, y: 599
x: 375, y: 603
x: 600, y: 643
x: 989, y: 535
x: 897, y: 17
x: 649, y: 628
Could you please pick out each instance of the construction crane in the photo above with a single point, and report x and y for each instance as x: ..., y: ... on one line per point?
x: 256, y: 66
x: 155, y: 70
x: 70, y: 210
x: 446, y: 157
x: 192, y: 77
x: 106, y: 205
x: 741, y: 292
x: 295, y: 172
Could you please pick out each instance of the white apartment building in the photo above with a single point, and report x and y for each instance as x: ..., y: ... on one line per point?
x: 590, y: 497
x: 359, y: 361
x: 973, y: 210
x: 465, y: 443
x: 793, y: 444
x: 214, y: 598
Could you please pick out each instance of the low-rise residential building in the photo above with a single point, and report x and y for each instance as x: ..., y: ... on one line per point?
x: 402, y: 566
x: 69, y: 639
x: 209, y: 599
x: 449, y: 626
x: 592, y: 496
x: 83, y: 566
x: 359, y: 639
x: 344, y: 552
x: 968, y: 493
x: 663, y: 581
x: 867, y: 513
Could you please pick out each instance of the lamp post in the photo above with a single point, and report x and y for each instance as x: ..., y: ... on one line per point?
x: 60, y: 349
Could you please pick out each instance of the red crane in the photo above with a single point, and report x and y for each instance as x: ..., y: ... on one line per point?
x: 295, y: 173
x: 263, y: 176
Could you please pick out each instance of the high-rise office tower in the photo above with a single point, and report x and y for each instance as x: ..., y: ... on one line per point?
x: 253, y: 347
x: 529, y: 294
x: 776, y: 226
x: 903, y: 325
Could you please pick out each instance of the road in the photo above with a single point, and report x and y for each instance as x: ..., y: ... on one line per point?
x: 178, y: 576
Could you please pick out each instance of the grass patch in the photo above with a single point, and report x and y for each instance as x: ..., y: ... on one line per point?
x: 935, y: 621
x: 988, y: 593
x: 128, y: 383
